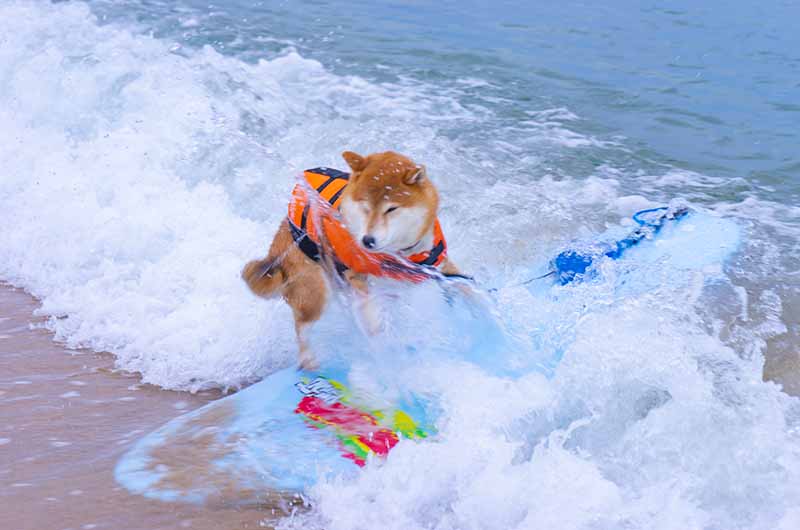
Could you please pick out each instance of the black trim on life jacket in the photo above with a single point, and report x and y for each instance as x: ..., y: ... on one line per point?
x: 326, y: 184
x: 329, y: 172
x: 336, y: 195
x: 433, y: 256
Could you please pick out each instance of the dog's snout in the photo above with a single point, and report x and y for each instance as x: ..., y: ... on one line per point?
x: 368, y: 241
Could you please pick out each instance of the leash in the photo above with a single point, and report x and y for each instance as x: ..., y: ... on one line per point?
x: 571, y: 265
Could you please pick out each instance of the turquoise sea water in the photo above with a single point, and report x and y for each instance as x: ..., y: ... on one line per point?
x: 712, y: 87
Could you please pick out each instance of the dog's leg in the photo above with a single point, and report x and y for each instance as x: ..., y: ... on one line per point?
x: 307, y: 296
x: 370, y: 314
x: 305, y: 357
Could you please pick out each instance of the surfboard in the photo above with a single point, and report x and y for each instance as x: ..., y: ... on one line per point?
x: 282, y: 435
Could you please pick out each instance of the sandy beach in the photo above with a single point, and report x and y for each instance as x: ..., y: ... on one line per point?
x: 65, y: 418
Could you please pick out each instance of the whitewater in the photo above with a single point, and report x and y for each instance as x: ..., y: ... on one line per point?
x: 139, y: 174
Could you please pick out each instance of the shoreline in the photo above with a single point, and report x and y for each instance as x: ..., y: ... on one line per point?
x: 66, y: 416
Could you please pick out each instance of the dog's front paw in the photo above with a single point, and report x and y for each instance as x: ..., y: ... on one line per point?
x: 308, y: 361
x: 371, y: 317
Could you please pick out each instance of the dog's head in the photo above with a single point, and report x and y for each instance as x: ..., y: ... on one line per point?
x: 389, y: 204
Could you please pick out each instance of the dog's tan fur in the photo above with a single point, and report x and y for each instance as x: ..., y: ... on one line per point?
x: 378, y: 183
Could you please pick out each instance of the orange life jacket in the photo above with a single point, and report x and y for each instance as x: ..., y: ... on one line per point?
x: 347, y: 253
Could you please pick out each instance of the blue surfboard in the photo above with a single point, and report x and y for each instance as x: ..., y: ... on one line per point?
x: 280, y: 436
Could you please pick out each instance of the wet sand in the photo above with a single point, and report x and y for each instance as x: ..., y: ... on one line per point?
x: 65, y: 419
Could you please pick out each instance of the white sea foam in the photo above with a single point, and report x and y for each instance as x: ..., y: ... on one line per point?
x: 643, y: 426
x: 137, y: 181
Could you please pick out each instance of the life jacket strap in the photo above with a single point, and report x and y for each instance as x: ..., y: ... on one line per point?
x: 304, y: 242
x: 311, y: 249
x: 434, y: 256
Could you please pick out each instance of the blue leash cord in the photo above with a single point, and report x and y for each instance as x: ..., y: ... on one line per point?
x: 573, y: 264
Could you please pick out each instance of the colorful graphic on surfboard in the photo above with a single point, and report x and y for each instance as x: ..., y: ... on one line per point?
x: 325, y: 405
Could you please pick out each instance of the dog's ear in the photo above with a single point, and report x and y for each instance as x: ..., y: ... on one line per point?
x: 354, y: 160
x: 415, y: 175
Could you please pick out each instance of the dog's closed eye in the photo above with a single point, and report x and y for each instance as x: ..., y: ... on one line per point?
x: 390, y: 210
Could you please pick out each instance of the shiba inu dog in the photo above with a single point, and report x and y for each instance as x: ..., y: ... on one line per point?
x: 388, y: 208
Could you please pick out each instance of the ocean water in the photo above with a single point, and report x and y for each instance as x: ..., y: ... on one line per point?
x: 147, y: 150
